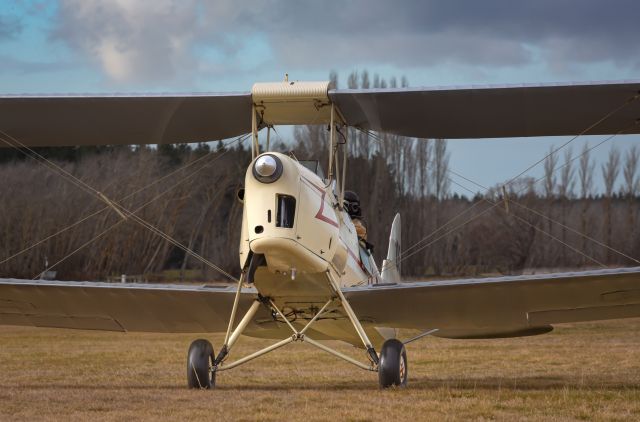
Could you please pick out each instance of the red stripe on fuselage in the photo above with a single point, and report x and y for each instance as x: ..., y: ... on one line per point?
x: 320, y: 214
x: 357, y: 259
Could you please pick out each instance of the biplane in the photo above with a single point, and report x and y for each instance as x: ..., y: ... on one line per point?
x: 305, y: 276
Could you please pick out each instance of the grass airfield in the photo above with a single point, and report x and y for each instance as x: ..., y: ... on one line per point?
x: 578, y: 372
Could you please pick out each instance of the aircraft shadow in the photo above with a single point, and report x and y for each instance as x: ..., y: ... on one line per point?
x: 489, y: 383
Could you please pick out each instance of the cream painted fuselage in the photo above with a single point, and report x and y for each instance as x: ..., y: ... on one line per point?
x: 294, y: 230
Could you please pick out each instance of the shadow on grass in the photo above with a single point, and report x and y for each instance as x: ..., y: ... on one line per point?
x: 75, y: 386
x: 489, y: 383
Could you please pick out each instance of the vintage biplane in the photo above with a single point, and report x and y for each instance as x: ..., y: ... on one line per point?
x: 305, y: 276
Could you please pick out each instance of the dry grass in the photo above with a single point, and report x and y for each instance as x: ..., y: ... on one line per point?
x: 579, y: 372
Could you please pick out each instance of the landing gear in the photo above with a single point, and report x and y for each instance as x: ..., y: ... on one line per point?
x: 392, y: 369
x: 202, y: 365
x: 199, y: 365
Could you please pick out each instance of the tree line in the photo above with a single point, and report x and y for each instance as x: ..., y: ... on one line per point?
x: 189, y: 192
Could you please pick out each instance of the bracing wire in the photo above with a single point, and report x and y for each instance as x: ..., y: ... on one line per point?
x: 14, y: 143
x: 584, y: 132
x: 602, y: 119
x: 142, y: 222
x: 95, y: 213
x: 421, y: 246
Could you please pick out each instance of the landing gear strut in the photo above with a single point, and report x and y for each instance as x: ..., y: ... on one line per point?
x: 202, y: 364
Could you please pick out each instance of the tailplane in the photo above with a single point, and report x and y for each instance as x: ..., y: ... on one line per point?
x: 391, y: 265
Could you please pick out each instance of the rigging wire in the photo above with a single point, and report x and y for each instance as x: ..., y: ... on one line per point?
x: 584, y: 235
x: 604, y: 245
x: 152, y: 228
x: 155, y: 182
x: 208, y: 263
x: 602, y: 119
x: 584, y: 132
x: 495, y: 204
x: 117, y: 207
x: 376, y: 138
x: 620, y: 132
x: 126, y: 213
x: 533, y: 226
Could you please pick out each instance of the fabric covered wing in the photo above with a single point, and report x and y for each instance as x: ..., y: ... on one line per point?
x: 492, y: 111
x: 503, y: 306
x: 124, y: 119
x: 114, y: 307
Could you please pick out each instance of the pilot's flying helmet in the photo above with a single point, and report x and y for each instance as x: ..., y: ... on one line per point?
x: 352, y: 204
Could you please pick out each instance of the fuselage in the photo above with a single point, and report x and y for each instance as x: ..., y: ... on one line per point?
x: 295, y: 223
x: 294, y: 237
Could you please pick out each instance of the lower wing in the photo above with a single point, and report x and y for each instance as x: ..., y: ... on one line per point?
x: 119, y: 307
x: 501, y: 306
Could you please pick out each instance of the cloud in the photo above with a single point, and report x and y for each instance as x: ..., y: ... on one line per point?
x: 423, y: 32
x: 130, y: 40
x: 10, y: 27
x: 161, y: 39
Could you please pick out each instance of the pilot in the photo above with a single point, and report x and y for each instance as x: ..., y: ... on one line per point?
x: 352, y: 206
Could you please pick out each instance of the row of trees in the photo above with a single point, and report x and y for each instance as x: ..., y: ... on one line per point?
x: 192, y: 203
x: 189, y: 193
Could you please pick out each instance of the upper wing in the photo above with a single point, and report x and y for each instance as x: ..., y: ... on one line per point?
x: 471, y: 112
x: 502, y: 306
x: 492, y: 111
x: 124, y: 119
x: 118, y: 307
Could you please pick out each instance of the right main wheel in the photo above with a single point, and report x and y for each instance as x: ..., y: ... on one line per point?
x: 392, y: 368
x: 199, y: 365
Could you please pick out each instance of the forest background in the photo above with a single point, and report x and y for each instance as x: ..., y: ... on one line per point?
x: 555, y: 222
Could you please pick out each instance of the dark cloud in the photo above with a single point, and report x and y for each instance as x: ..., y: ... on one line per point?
x: 497, y: 32
x: 159, y: 39
x: 10, y: 27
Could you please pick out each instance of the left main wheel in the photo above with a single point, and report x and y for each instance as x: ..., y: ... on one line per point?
x: 393, y: 368
x: 199, y: 365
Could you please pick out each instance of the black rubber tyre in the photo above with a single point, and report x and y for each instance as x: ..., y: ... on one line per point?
x: 199, y: 361
x: 393, y: 368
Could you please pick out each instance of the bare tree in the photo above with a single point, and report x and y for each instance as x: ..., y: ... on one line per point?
x: 585, y: 172
x: 567, y: 176
x: 585, y: 175
x: 333, y: 79
x: 565, y: 192
x: 364, y: 148
x: 610, y: 171
x: 399, y: 174
x: 423, y: 157
x: 440, y: 169
x: 550, y: 165
x: 441, y: 182
x: 631, y: 187
x: 352, y: 83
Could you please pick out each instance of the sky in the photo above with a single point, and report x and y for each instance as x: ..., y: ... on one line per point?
x: 80, y: 46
